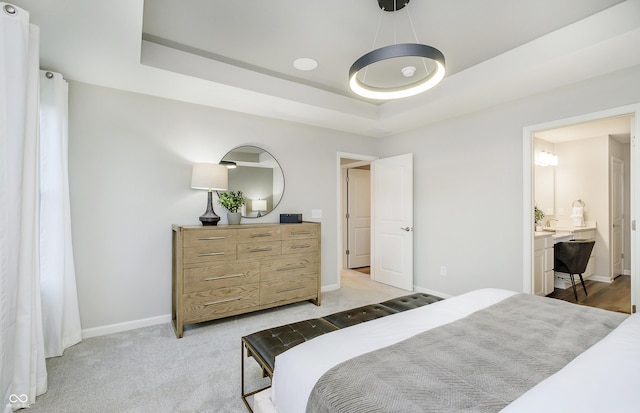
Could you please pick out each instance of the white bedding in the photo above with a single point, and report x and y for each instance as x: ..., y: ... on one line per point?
x: 298, y: 369
x: 605, y: 366
x: 602, y: 379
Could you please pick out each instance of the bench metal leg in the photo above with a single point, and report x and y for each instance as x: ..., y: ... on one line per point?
x: 251, y: 393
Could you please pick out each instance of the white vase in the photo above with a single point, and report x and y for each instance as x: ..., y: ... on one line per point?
x: 233, y: 218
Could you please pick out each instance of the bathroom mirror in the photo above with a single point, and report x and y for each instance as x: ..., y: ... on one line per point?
x: 256, y: 173
x: 544, y: 181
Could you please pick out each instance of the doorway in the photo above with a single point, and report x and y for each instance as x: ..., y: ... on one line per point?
x: 357, y: 256
x: 391, y: 218
x: 358, y: 218
x: 611, y: 216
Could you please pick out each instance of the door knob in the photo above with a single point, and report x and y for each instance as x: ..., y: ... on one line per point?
x: 406, y: 229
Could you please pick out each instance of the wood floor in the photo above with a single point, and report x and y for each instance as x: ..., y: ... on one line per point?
x: 615, y: 296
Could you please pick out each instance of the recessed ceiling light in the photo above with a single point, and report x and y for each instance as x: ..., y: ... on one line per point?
x: 305, y: 63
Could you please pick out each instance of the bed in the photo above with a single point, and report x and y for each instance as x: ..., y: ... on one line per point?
x: 488, y: 350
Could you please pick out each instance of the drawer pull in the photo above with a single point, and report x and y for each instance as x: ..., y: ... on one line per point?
x: 300, y: 233
x: 210, y: 254
x: 291, y: 267
x: 261, y: 235
x: 284, y: 290
x: 224, y: 276
x: 222, y: 301
x: 210, y: 238
x: 260, y: 249
x: 297, y: 247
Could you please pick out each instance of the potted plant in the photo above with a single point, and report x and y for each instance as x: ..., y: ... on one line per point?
x: 232, y: 201
x: 538, y: 215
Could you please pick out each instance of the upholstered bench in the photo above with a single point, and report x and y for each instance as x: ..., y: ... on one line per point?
x: 409, y: 302
x: 265, y: 345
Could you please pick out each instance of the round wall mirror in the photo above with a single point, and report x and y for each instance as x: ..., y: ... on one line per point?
x: 258, y: 175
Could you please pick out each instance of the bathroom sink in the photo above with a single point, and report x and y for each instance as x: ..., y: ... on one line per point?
x: 558, y: 229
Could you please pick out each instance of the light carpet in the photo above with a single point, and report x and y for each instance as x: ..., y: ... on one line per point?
x: 150, y: 370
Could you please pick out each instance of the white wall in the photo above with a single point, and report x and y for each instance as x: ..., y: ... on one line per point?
x: 130, y: 159
x: 130, y: 163
x: 469, y: 210
x: 583, y: 174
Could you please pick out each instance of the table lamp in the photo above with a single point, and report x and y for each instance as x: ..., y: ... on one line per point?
x: 212, y: 177
x: 259, y: 205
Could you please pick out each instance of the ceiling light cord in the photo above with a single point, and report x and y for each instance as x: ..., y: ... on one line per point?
x: 375, y: 40
x: 415, y: 36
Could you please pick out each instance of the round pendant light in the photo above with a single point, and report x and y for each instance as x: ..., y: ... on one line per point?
x: 417, y: 67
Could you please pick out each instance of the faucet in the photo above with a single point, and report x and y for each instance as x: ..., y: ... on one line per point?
x: 549, y: 222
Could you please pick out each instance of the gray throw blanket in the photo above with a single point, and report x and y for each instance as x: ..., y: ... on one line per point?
x: 480, y: 363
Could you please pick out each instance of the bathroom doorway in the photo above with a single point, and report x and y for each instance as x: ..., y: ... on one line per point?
x: 612, y: 132
x: 354, y: 214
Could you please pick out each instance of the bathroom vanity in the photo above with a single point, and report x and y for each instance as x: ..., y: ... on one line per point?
x: 544, y: 278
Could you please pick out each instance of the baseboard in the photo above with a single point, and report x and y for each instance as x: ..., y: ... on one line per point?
x: 129, y: 325
x: 331, y: 287
x: 626, y: 272
x: 598, y: 278
x: 432, y: 292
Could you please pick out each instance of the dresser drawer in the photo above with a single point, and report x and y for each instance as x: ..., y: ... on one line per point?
x: 225, y: 270
x: 258, y: 234
x: 208, y: 237
x: 295, y: 231
x: 209, y: 253
x: 296, y: 246
x: 220, y: 275
x: 259, y: 249
x: 210, y: 304
x: 288, y: 288
x: 287, y: 267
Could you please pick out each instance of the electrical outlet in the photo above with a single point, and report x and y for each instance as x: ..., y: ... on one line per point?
x: 443, y: 270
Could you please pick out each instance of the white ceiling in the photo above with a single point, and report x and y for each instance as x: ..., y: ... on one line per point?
x: 238, y: 54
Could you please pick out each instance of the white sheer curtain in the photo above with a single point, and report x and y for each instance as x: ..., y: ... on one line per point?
x: 23, y: 374
x: 61, y: 317
x: 37, y: 275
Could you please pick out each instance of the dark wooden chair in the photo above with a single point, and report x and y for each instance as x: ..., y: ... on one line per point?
x: 572, y: 257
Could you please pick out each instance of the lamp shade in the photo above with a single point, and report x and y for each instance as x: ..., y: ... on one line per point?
x: 259, y: 204
x: 210, y: 176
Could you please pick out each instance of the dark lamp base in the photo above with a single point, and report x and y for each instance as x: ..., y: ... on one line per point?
x: 209, y: 217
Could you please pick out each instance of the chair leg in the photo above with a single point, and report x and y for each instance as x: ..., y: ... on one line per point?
x: 573, y: 284
x: 583, y: 286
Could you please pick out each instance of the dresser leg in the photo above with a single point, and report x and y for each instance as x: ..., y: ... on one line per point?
x: 177, y: 327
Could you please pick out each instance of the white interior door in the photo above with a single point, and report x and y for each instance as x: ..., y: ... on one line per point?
x: 392, y: 244
x: 617, y: 216
x: 359, y: 218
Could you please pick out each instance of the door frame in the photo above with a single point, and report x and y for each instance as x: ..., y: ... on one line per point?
x: 612, y: 161
x: 528, y: 196
x: 340, y: 207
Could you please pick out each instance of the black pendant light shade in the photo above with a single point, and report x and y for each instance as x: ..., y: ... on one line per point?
x: 396, y: 66
x: 393, y: 52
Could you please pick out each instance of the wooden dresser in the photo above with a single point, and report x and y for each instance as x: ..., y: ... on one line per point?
x: 221, y: 271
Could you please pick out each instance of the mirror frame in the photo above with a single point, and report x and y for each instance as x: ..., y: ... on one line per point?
x: 274, y: 202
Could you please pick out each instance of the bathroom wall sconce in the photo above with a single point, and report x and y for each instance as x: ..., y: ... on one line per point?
x: 544, y: 158
x: 259, y: 205
x: 211, y: 177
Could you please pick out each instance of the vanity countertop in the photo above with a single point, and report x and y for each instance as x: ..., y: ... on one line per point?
x: 553, y: 234
x: 562, y: 231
